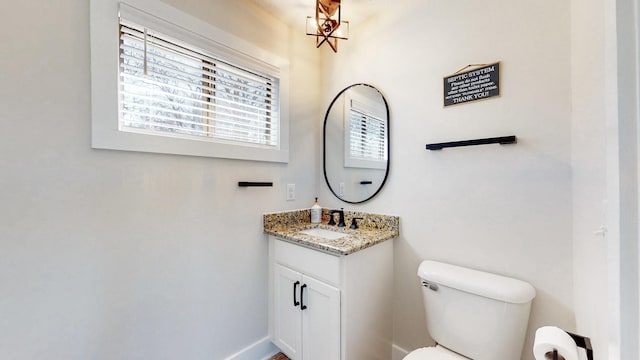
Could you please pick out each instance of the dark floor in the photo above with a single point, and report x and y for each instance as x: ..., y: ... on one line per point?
x: 279, y: 356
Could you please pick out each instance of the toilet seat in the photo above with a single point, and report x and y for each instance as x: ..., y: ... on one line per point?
x: 434, y: 353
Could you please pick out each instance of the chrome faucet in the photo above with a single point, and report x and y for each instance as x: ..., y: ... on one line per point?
x: 340, y: 219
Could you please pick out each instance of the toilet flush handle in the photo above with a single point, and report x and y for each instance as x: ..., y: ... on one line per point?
x: 430, y: 286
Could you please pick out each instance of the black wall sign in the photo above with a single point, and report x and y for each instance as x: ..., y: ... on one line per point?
x: 476, y: 84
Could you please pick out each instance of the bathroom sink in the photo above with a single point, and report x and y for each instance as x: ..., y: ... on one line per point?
x: 324, y: 233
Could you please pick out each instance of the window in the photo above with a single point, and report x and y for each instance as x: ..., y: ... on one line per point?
x: 366, y: 134
x: 178, y: 91
x: 171, y: 89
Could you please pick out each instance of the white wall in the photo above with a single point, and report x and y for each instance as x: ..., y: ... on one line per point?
x: 589, y: 150
x: 605, y: 174
x: 107, y: 254
x: 505, y: 209
x: 622, y: 152
x: 120, y: 255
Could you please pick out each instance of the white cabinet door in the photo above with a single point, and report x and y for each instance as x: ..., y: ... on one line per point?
x: 320, y: 306
x: 307, y: 316
x: 287, y: 314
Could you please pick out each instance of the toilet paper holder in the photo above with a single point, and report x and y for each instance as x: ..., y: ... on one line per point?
x: 582, y: 342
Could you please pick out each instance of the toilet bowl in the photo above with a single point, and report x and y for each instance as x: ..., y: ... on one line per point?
x: 473, y: 314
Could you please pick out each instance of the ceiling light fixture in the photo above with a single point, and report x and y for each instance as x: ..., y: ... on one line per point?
x: 327, y: 25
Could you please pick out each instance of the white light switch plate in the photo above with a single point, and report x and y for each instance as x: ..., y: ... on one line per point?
x: 291, y: 192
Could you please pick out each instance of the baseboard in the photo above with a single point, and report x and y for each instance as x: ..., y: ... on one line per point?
x: 262, y: 349
x: 398, y: 353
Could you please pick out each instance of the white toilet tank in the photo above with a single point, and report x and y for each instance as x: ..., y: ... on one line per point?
x: 479, y: 315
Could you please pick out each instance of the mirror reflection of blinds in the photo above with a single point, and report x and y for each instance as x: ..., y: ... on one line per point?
x: 368, y: 135
x: 169, y: 88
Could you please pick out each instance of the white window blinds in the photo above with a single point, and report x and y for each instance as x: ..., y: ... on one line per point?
x: 366, y: 137
x: 170, y: 88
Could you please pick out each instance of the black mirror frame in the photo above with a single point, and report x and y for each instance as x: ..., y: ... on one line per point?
x: 324, y: 144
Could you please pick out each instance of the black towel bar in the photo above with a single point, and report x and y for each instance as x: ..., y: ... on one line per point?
x: 494, y: 140
x: 252, y: 183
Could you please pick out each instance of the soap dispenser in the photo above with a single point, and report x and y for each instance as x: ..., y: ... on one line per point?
x: 316, y: 213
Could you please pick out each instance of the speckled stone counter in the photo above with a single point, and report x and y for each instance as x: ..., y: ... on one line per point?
x: 372, y: 229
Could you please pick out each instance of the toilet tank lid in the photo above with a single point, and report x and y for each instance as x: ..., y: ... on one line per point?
x: 477, y: 282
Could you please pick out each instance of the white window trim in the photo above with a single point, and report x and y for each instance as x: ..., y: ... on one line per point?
x: 104, y: 25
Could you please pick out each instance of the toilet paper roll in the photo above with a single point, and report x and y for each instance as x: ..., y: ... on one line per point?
x: 549, y: 338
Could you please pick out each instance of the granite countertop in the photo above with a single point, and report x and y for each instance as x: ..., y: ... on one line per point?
x: 373, y: 229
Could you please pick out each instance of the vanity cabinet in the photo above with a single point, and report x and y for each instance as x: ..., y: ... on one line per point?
x: 308, y: 312
x: 331, y: 307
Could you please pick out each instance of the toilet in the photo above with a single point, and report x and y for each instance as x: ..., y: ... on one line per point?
x: 472, y: 314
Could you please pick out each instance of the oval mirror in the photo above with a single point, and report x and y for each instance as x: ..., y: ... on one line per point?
x: 356, y: 143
